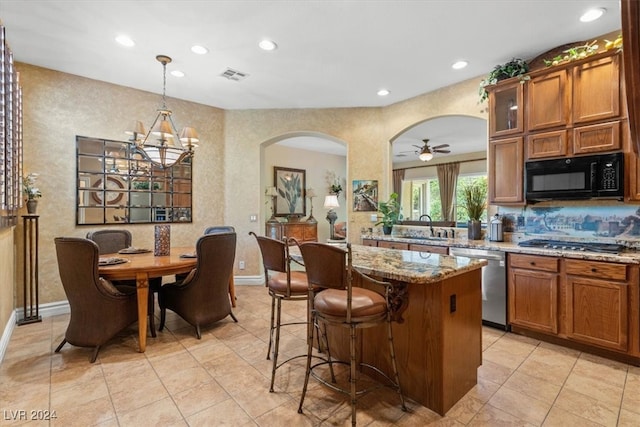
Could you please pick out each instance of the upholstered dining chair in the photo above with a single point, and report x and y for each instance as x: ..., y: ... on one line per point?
x: 334, y: 301
x: 99, y: 310
x: 112, y: 240
x: 203, y: 297
x: 284, y: 284
x: 213, y: 230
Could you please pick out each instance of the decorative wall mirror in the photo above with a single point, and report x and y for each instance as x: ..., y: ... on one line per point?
x: 117, y: 184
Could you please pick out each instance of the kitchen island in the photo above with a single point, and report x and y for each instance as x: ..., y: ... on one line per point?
x: 437, y: 332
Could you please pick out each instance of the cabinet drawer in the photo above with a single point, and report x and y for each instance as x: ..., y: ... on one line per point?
x: 596, y: 269
x: 444, y: 250
x: 533, y: 262
x: 393, y: 245
x: 370, y: 242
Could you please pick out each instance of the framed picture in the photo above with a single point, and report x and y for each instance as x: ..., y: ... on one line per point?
x: 365, y: 195
x: 290, y: 185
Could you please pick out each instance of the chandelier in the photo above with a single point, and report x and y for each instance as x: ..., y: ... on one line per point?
x: 162, y: 145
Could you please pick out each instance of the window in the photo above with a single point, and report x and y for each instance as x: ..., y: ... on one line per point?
x: 425, y: 197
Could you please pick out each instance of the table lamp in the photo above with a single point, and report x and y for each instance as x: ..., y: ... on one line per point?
x: 331, y: 202
x: 273, y: 193
x: 310, y: 193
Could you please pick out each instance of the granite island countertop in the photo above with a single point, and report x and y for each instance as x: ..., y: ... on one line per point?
x: 406, y: 266
x: 630, y: 257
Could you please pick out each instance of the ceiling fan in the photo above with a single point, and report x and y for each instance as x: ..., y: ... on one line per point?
x: 425, y: 153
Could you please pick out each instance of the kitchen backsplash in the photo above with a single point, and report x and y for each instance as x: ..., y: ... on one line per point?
x: 615, y: 221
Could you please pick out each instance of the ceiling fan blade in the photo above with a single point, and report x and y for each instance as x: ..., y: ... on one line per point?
x: 440, y: 146
x: 441, y: 151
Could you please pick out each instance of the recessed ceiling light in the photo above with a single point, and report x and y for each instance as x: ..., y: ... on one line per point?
x: 125, y: 40
x: 267, y: 45
x: 200, y: 50
x: 177, y: 73
x: 459, y: 65
x: 592, y: 14
x: 383, y: 92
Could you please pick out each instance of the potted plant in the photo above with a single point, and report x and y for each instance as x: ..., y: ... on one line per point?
x: 31, y: 191
x: 389, y: 213
x: 515, y: 68
x: 474, y: 200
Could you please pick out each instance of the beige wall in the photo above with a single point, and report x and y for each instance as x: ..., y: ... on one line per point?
x: 7, y: 276
x: 229, y: 164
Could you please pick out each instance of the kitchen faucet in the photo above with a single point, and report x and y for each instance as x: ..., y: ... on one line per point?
x: 430, y: 223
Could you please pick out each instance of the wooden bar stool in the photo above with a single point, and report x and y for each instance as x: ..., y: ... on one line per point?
x: 284, y: 284
x: 333, y: 301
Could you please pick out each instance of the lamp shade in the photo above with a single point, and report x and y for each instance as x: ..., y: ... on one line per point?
x: 331, y: 201
x: 163, y: 129
x: 136, y: 128
x: 310, y: 192
x: 271, y: 191
x: 189, y: 136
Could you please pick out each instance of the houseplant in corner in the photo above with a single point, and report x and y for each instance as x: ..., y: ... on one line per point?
x: 31, y: 191
x: 474, y: 200
x: 389, y: 213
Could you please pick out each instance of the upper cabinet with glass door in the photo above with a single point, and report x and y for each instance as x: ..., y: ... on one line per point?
x: 505, y: 103
x: 117, y: 184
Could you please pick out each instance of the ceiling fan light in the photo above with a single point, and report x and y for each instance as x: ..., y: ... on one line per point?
x: 425, y: 156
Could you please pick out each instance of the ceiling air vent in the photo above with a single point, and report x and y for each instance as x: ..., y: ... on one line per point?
x: 232, y: 74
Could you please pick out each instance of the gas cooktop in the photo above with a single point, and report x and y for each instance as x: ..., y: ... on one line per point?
x: 610, y: 248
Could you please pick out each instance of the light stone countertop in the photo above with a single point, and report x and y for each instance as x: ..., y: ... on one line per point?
x: 406, y: 266
x: 631, y: 257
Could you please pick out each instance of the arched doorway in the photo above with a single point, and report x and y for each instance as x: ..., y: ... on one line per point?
x: 451, y: 138
x: 320, y: 156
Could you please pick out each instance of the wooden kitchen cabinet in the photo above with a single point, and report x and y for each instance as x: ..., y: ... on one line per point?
x: 589, y: 304
x: 597, y: 303
x: 443, y: 250
x: 596, y: 90
x: 370, y: 242
x: 602, y: 137
x: 506, y: 117
x: 547, y: 144
x: 506, y: 171
x: 547, y: 101
x: 392, y: 245
x: 533, y: 292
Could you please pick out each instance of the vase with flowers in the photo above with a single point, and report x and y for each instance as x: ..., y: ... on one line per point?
x: 31, y: 191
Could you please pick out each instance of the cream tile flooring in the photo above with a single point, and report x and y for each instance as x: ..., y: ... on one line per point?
x: 223, y: 379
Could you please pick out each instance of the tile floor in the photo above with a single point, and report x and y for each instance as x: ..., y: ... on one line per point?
x: 223, y: 379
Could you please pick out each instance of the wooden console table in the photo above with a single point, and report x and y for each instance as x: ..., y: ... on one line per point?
x: 301, y: 231
x: 30, y: 271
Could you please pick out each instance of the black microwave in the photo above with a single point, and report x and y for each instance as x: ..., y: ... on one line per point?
x: 587, y: 177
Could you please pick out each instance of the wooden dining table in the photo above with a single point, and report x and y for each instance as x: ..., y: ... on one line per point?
x: 145, y: 266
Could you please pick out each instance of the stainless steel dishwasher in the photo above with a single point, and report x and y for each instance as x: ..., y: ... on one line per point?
x: 494, y: 285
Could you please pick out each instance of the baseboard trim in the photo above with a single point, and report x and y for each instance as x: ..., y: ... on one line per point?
x: 248, y: 280
x: 6, y: 335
